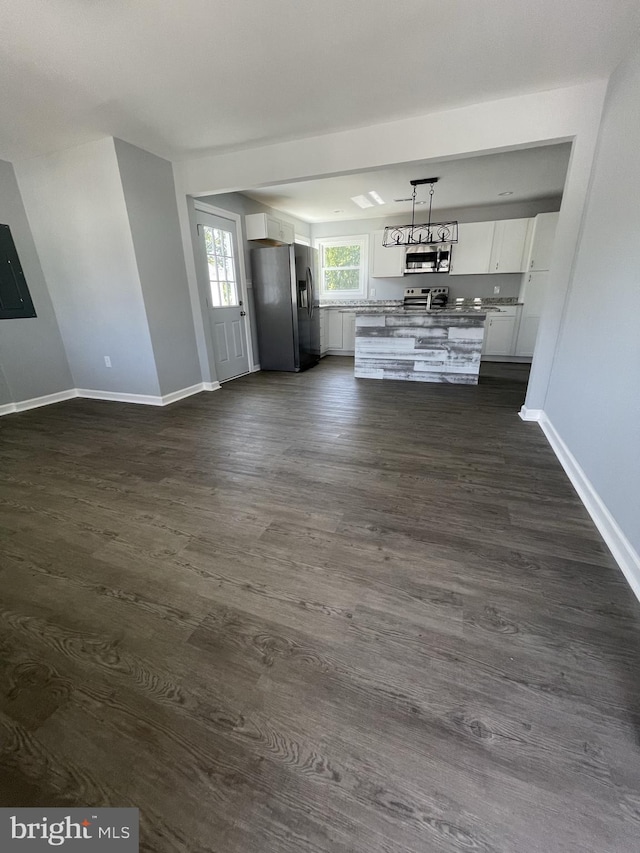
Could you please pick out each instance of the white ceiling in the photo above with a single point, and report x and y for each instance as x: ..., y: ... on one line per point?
x: 182, y: 78
x: 531, y: 173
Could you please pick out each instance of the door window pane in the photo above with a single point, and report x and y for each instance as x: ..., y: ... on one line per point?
x: 222, y: 267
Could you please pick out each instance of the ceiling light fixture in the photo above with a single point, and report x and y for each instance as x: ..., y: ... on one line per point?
x: 374, y: 195
x: 362, y: 201
x: 508, y: 192
x: 432, y: 232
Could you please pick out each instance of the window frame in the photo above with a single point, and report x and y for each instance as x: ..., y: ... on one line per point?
x: 361, y: 240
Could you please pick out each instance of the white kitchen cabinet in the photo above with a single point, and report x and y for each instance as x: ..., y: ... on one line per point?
x: 287, y: 233
x: 527, y: 335
x: 499, y: 331
x: 324, y: 331
x: 511, y: 240
x: 334, y: 337
x: 472, y: 253
x: 261, y: 226
x: 492, y: 247
x: 533, y: 296
x: 340, y: 332
x: 386, y: 261
x: 544, y: 232
x: 349, y: 331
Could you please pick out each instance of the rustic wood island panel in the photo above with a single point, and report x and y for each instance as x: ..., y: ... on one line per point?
x: 419, y: 346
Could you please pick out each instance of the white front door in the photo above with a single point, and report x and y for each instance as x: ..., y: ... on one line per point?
x: 226, y: 311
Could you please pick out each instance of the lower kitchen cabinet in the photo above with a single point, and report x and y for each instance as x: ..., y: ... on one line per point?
x: 324, y: 331
x: 349, y: 331
x: 499, y: 332
x: 533, y: 296
x: 340, y: 335
x: 335, y: 329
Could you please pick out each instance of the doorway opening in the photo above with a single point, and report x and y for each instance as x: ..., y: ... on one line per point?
x: 222, y: 275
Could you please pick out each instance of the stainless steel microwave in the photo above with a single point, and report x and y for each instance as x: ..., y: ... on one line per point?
x: 427, y: 258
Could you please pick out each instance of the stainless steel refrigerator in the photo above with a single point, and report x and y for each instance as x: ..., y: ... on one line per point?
x: 287, y: 315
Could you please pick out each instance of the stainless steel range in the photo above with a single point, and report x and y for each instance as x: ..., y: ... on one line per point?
x: 426, y: 298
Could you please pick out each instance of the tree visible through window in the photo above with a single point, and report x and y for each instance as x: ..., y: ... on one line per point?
x: 343, y: 266
x: 222, y: 268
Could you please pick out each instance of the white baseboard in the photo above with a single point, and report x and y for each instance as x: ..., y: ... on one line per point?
x: 255, y: 368
x: 120, y: 397
x: 36, y: 402
x: 622, y: 550
x: 530, y: 414
x: 187, y: 392
x: 111, y: 396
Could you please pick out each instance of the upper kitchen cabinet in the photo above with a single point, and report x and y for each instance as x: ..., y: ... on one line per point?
x: 261, y: 226
x: 544, y: 232
x: 511, y: 240
x: 472, y: 253
x: 492, y: 247
x: 387, y: 261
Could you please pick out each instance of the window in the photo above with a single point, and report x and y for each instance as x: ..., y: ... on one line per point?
x: 15, y: 299
x: 222, y: 268
x: 343, y: 267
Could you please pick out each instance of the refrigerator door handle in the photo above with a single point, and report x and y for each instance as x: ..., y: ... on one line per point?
x: 310, y: 293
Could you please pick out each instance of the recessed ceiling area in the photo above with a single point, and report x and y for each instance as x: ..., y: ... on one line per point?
x: 509, y: 176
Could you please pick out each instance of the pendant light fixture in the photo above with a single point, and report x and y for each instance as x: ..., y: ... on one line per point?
x: 429, y: 234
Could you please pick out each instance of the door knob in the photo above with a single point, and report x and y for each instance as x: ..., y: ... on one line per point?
x: 243, y: 313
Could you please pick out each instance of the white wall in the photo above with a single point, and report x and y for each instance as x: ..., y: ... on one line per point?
x: 150, y: 199
x: 33, y: 362
x: 593, y: 399
x: 76, y: 206
x: 558, y: 115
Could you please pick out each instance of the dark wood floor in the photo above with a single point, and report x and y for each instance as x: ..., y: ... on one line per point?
x: 308, y: 613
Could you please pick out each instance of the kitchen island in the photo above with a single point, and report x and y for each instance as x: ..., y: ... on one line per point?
x: 441, y: 345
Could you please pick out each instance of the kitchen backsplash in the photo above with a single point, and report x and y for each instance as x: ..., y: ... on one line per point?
x: 465, y: 286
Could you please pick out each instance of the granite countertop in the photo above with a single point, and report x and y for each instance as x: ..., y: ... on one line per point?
x: 416, y: 312
x: 493, y: 302
x: 361, y: 303
x: 489, y: 302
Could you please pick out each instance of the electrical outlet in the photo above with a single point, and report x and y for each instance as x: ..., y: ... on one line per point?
x: 496, y: 289
x: 107, y: 361
x: 372, y: 292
